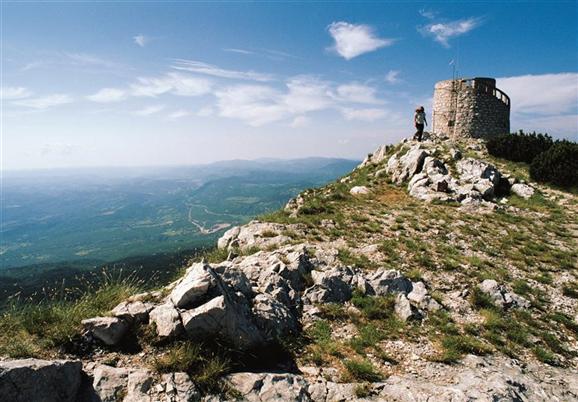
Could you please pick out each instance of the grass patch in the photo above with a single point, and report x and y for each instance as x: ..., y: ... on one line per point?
x: 361, y: 370
x: 204, y: 366
x: 29, y: 329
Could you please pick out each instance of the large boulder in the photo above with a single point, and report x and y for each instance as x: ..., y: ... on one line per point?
x: 193, y: 286
x: 226, y: 316
x: 110, y: 383
x: 402, y: 168
x: 29, y: 380
x: 258, y: 387
x: 471, y: 170
x: 167, y: 321
x: 254, y: 234
x: 274, y: 318
x: 383, y: 282
x: 331, y: 286
x: 109, y: 330
x: 133, y: 311
x: 522, y: 190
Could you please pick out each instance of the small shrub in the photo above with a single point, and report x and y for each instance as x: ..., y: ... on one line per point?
x: 545, y: 356
x: 203, y: 365
x: 558, y: 165
x: 481, y: 300
x: 571, y: 290
x: 362, y: 390
x: 519, y: 147
x: 362, y: 370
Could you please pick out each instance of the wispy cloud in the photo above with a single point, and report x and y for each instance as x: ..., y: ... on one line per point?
x: 240, y: 51
x: 174, y: 83
x: 44, y: 102
x: 442, y: 32
x: 71, y: 59
x: 546, y: 102
x: 363, y: 114
x: 108, y: 95
x: 426, y: 13
x: 10, y: 93
x: 300, y: 122
x: 177, y: 114
x: 357, y: 93
x: 199, y: 67
x: 392, y: 77
x: 147, y: 111
x: 354, y: 40
x: 141, y: 40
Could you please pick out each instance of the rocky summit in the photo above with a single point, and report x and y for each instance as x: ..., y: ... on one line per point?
x: 432, y: 272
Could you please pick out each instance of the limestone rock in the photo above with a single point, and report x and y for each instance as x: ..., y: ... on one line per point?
x: 254, y: 234
x: 167, y: 321
x: 471, y: 170
x: 359, y: 190
x: 226, y: 316
x: 384, y: 282
x: 193, y: 286
x: 29, y: 380
x: 501, y: 296
x: 258, y: 387
x: 133, y: 311
x: 109, y: 330
x: 110, y: 383
x: 404, y: 167
x: 403, y: 307
x: 273, y: 318
x: 522, y: 190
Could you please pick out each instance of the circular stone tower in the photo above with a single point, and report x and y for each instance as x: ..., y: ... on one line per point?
x: 470, y: 107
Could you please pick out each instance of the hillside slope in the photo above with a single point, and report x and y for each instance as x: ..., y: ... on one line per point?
x: 430, y: 272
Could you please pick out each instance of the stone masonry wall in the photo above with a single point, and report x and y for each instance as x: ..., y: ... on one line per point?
x: 462, y: 109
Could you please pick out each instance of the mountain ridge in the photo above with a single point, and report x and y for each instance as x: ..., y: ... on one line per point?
x: 431, y: 272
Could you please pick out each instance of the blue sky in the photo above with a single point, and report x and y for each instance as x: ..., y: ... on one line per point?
x: 167, y: 83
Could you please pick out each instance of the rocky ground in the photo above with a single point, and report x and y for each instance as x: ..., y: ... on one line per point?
x: 431, y: 272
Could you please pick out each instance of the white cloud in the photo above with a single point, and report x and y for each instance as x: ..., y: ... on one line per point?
x: 147, y: 111
x: 174, y: 83
x: 255, y: 104
x: 215, y: 71
x: 141, y: 40
x: 240, y: 51
x: 392, y: 77
x: 429, y: 14
x: 546, y: 102
x: 205, y: 111
x: 357, y: 93
x: 354, y: 40
x: 11, y: 93
x: 108, y: 95
x: 307, y: 94
x: 443, y: 32
x: 177, y: 114
x: 542, y: 94
x: 44, y: 102
x: 363, y: 114
x: 300, y: 122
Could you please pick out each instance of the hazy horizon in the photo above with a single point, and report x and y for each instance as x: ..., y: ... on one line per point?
x: 156, y: 84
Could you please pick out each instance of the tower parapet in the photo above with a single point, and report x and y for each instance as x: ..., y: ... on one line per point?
x: 470, y: 107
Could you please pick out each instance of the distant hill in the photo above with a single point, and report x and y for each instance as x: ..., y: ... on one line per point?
x: 84, y: 218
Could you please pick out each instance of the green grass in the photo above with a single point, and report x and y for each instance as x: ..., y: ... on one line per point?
x: 362, y: 370
x: 29, y: 329
x: 203, y: 365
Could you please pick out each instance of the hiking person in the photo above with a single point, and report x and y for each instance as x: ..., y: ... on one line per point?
x: 419, y: 120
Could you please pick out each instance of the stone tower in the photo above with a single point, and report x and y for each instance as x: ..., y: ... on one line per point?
x: 470, y: 107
